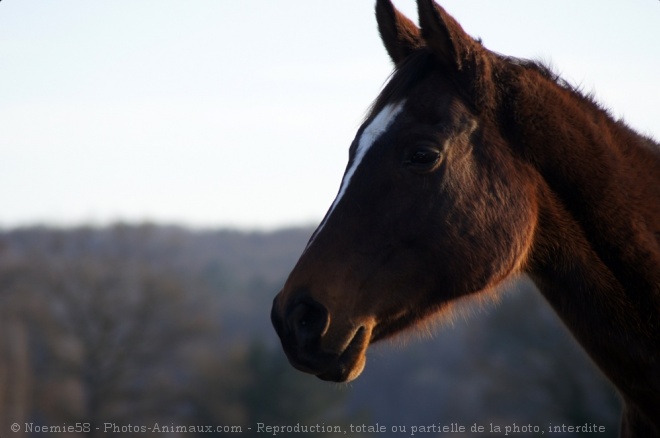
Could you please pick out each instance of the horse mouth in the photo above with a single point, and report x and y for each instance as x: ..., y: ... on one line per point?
x: 350, y: 363
x: 333, y: 367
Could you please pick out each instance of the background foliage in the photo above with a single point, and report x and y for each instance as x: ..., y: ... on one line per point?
x: 145, y: 324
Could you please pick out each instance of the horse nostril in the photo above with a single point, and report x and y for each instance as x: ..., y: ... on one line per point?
x: 308, y: 321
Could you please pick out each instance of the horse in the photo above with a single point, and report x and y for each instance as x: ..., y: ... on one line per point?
x: 473, y: 168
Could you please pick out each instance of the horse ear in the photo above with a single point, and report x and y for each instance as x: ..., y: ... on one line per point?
x: 444, y: 35
x: 400, y: 36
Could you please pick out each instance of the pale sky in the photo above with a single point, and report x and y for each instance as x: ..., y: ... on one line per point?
x: 211, y: 113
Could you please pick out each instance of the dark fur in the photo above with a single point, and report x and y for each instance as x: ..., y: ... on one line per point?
x: 534, y: 177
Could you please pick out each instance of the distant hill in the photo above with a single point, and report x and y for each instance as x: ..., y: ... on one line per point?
x: 144, y: 323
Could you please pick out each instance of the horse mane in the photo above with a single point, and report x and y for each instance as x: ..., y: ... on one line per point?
x: 422, y: 62
x: 544, y: 69
x: 548, y: 72
x: 418, y: 64
x: 588, y: 100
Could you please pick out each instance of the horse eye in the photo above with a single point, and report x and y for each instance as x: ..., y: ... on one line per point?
x: 422, y: 158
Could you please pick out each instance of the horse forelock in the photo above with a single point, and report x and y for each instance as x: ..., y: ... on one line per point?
x: 402, y: 79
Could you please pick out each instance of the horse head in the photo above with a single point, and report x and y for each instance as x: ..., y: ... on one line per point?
x: 431, y: 207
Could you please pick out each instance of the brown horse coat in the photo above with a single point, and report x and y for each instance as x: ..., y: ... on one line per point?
x: 473, y: 168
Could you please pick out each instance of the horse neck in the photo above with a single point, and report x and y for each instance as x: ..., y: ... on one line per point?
x: 596, y: 255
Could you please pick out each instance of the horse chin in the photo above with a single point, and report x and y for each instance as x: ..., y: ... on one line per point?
x: 350, y: 363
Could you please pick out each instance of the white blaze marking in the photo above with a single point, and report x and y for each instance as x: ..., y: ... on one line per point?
x: 371, y: 133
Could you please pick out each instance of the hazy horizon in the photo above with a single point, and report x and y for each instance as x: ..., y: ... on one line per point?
x: 224, y: 114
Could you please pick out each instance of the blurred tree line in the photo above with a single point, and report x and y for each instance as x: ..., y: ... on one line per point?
x: 125, y: 326
x: 149, y: 324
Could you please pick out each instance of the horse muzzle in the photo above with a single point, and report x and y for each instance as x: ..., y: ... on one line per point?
x: 313, y: 344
